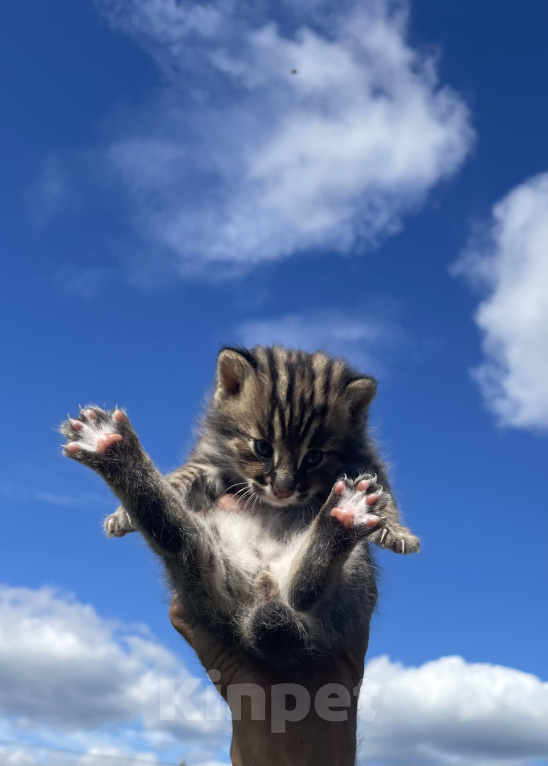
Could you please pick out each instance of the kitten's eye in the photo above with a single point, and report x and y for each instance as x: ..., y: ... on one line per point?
x: 313, y: 458
x: 263, y: 449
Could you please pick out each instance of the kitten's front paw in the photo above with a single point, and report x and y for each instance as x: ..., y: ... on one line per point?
x: 97, y: 437
x: 94, y: 430
x: 354, y: 504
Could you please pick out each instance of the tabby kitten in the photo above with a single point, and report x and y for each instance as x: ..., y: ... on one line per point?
x: 289, y: 576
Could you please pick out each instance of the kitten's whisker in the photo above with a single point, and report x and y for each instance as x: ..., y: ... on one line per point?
x: 251, y: 497
x: 312, y: 506
x: 245, y: 490
x: 238, y: 484
x: 315, y: 505
x: 247, y: 494
x: 241, y: 490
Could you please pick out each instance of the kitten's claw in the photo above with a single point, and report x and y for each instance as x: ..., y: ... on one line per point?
x: 397, y: 538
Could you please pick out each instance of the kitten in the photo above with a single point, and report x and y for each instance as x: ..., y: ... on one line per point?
x: 290, y: 576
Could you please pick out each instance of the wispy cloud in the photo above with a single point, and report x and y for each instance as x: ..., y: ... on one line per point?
x: 508, y: 261
x: 20, y: 494
x: 51, y: 191
x: 85, y: 283
x: 367, y: 339
x: 236, y: 160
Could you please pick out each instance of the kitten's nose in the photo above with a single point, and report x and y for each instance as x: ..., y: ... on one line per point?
x: 282, y: 494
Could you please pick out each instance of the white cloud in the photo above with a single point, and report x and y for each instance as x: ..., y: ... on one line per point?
x: 115, y: 756
x: 75, y: 681
x: 452, y: 712
x: 17, y: 756
x: 510, y: 263
x: 236, y: 161
x: 79, y: 681
x: 21, y: 755
x: 363, y: 338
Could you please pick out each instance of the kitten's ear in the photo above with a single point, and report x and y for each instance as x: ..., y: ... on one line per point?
x: 233, y: 367
x: 359, y: 394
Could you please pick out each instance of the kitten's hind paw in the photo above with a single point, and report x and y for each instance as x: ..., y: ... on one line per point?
x: 118, y: 523
x: 399, y: 539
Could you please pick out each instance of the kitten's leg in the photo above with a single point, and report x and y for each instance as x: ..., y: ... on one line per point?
x: 106, y: 442
x: 199, y: 485
x: 280, y: 632
x: 352, y: 512
x: 197, y: 568
x: 393, y: 535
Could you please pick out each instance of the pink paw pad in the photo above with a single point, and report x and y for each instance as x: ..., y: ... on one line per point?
x: 339, y: 487
x: 347, y: 516
x: 354, y: 505
x: 107, y: 440
x: 95, y: 431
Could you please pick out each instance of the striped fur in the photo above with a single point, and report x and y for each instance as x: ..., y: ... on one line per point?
x: 296, y: 402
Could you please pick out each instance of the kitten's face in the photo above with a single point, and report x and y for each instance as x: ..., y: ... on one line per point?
x: 291, y: 421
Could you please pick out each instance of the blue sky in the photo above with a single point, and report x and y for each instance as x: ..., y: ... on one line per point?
x: 168, y: 186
